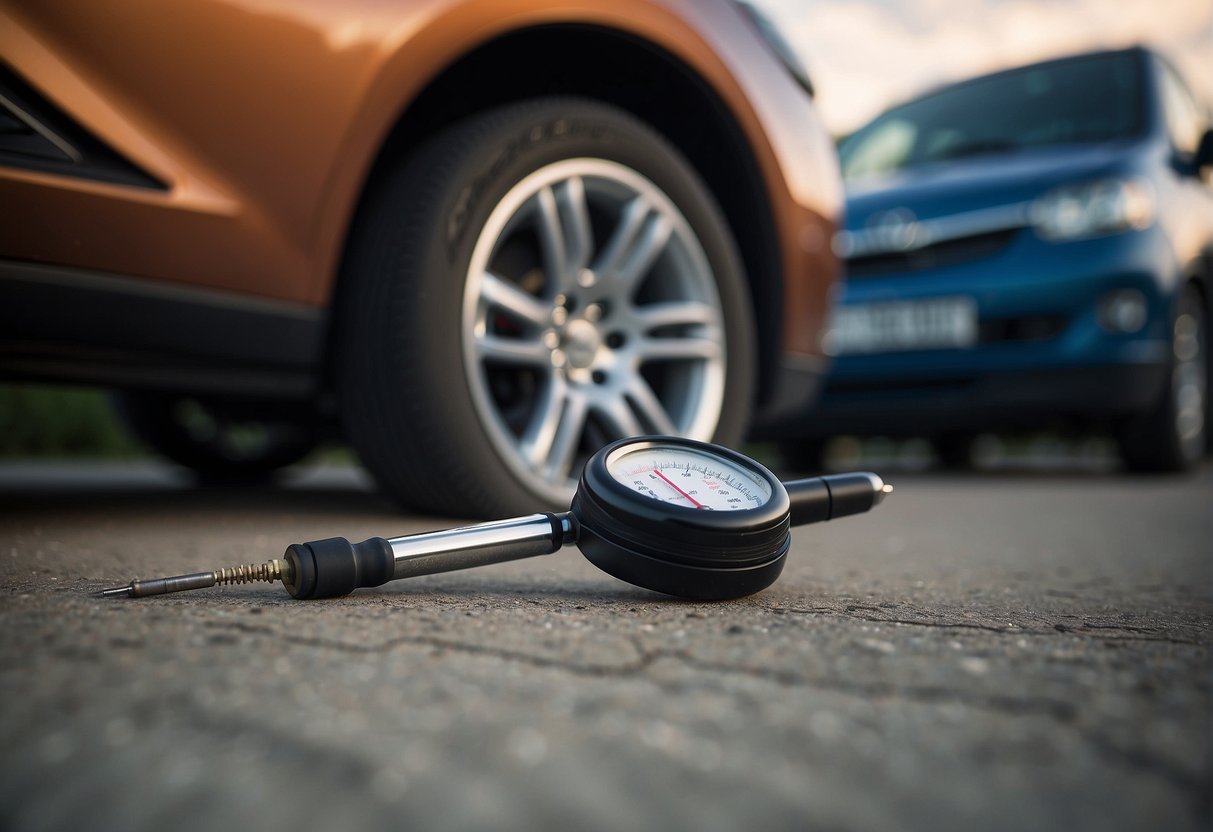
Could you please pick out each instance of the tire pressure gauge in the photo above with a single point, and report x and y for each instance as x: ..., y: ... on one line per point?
x: 665, y: 513
x: 683, y: 518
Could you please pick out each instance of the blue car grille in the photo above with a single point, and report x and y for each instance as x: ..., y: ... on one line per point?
x: 1026, y: 329
x: 935, y: 256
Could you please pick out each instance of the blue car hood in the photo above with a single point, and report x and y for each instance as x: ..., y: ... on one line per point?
x: 977, y: 182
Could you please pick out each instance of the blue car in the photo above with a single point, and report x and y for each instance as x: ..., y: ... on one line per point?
x: 1028, y: 249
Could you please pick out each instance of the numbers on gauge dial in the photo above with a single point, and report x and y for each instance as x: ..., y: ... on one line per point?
x: 690, y: 478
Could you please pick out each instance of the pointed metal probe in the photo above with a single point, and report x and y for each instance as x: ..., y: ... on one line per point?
x: 269, y: 572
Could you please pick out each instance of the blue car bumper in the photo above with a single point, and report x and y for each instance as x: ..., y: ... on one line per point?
x: 1040, y: 354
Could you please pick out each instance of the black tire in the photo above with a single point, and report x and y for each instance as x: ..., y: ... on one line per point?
x: 1174, y: 434
x: 443, y: 429
x: 220, y: 441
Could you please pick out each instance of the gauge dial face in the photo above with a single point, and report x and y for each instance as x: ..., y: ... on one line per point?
x: 688, y: 477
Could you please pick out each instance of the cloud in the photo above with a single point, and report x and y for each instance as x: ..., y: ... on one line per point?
x: 867, y: 54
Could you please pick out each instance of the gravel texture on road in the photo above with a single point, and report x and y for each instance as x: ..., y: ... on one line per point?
x: 1021, y: 651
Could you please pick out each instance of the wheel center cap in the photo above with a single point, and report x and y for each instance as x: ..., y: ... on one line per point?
x: 581, y: 343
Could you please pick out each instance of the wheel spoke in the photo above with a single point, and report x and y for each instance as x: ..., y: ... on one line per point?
x: 700, y: 348
x: 683, y: 313
x: 649, y: 406
x: 536, y: 443
x: 620, y: 418
x: 552, y: 438
x: 635, y: 244
x: 551, y: 239
x: 514, y: 300
x: 513, y: 351
x: 566, y: 440
x: 574, y: 214
x: 565, y: 236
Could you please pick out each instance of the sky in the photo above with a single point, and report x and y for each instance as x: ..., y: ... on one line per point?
x: 865, y: 55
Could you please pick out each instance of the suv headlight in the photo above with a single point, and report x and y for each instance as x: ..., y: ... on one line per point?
x: 1092, y: 209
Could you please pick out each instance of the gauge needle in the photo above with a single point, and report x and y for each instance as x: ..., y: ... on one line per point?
x: 694, y: 502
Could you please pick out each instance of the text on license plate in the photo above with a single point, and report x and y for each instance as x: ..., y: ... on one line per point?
x: 938, y: 323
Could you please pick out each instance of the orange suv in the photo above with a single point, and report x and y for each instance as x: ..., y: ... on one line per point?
x: 480, y: 237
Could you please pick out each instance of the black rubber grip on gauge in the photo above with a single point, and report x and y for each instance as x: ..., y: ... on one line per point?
x: 825, y: 498
x: 334, y: 567
x: 810, y: 500
x: 850, y: 494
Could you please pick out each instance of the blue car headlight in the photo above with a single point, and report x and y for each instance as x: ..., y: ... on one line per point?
x: 1093, y: 209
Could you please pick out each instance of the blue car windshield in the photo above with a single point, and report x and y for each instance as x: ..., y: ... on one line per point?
x: 1093, y: 98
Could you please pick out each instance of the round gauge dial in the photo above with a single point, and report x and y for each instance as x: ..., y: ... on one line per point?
x: 688, y: 477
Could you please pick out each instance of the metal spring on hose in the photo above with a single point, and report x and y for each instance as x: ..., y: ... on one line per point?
x: 268, y: 572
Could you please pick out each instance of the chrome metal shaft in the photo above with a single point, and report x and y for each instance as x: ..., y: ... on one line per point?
x: 480, y: 545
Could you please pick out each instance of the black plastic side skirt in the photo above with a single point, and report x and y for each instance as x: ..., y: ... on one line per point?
x: 73, y: 325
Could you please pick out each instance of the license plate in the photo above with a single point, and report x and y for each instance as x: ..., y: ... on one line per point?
x: 939, y: 323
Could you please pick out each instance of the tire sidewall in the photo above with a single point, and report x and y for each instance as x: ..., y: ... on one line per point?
x: 1150, y: 441
x: 1190, y: 299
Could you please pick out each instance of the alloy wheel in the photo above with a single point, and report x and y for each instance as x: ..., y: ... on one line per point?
x: 590, y: 313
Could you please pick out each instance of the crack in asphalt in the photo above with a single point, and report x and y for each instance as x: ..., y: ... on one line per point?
x: 1055, y: 629
x: 646, y: 657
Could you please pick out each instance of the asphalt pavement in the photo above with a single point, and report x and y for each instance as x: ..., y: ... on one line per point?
x: 1016, y: 650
